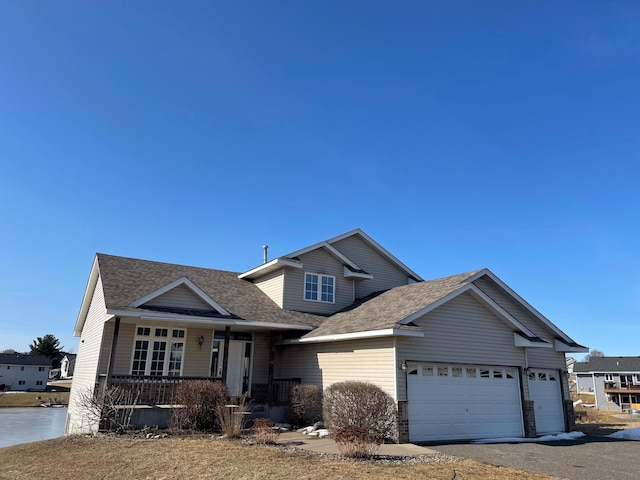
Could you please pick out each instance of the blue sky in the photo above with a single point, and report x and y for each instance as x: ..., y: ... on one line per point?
x: 459, y: 135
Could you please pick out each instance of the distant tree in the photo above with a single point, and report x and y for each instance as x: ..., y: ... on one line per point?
x: 48, y: 346
x: 9, y: 350
x: 593, y: 354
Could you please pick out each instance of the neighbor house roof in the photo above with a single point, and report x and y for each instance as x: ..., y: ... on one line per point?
x: 126, y: 280
x: 608, y: 364
x: 384, y: 310
x: 24, y: 359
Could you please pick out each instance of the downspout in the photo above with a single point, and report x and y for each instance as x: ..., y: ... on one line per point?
x: 595, y: 392
x: 112, y: 355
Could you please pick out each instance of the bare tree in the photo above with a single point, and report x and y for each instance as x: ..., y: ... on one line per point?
x: 593, y: 354
x: 108, y: 408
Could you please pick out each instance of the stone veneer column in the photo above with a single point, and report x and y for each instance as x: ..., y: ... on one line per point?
x: 569, y: 415
x: 529, y: 419
x: 403, y: 422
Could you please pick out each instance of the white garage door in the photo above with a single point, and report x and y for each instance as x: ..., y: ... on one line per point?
x: 544, y: 390
x: 456, y: 402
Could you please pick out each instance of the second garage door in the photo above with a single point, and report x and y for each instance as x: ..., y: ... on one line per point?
x: 456, y: 402
x: 544, y: 390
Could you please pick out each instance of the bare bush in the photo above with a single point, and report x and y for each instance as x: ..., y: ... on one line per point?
x: 306, y: 403
x: 363, y: 405
x: 264, y: 431
x: 233, y: 416
x: 356, y: 442
x: 197, y: 403
x: 108, y: 408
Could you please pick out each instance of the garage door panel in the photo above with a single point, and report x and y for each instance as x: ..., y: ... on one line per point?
x: 449, y: 402
x: 545, y: 391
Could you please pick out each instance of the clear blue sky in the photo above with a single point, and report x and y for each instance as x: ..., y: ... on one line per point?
x: 459, y: 135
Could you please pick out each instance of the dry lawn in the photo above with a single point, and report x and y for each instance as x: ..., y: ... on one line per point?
x: 29, y: 399
x: 188, y: 458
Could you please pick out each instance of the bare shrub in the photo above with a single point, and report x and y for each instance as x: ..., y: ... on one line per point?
x: 197, y: 404
x: 108, y: 408
x: 264, y: 431
x: 356, y: 442
x: 306, y: 403
x: 233, y: 416
x: 360, y: 404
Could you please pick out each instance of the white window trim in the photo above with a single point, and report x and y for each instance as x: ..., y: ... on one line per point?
x: 320, y: 276
x: 167, y: 358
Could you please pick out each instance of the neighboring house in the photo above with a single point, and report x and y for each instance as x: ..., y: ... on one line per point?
x: 19, y: 371
x: 613, y: 381
x: 463, y: 356
x: 67, y: 365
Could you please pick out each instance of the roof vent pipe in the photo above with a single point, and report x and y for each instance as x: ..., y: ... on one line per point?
x: 265, y: 248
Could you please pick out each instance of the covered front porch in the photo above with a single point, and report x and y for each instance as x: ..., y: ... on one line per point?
x: 151, y: 356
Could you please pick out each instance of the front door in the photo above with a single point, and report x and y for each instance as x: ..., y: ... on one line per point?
x: 235, y: 368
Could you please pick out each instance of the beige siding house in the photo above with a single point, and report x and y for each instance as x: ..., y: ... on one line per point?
x: 462, y: 356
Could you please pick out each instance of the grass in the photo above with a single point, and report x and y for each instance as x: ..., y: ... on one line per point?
x: 29, y: 399
x: 204, y: 458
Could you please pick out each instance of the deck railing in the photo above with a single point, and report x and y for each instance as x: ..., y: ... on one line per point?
x: 621, y: 386
x: 161, y: 390
x: 151, y: 389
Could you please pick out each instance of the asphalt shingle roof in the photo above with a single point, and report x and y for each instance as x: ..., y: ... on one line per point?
x: 23, y: 359
x: 608, y: 364
x: 384, y: 310
x: 126, y: 280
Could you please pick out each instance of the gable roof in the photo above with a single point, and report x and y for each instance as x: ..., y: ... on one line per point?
x: 387, y: 309
x: 125, y: 281
x: 608, y: 364
x: 328, y: 245
x: 24, y: 359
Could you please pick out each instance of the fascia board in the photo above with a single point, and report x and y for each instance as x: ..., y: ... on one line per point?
x: 206, y: 320
x: 273, y: 264
x: 378, y: 247
x: 560, y: 346
x: 522, y: 302
x: 387, y: 332
x: 520, y: 341
x: 330, y: 248
x: 94, y: 275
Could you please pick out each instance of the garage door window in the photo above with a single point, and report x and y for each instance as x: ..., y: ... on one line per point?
x: 443, y: 371
x: 427, y: 371
x: 456, y: 371
x: 484, y: 373
x: 497, y: 374
x: 472, y: 372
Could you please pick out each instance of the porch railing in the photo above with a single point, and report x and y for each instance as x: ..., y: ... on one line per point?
x: 151, y: 389
x: 161, y: 390
x: 281, y: 390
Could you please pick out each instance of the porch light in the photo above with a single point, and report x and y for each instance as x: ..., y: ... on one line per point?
x: 403, y: 366
x: 201, y: 341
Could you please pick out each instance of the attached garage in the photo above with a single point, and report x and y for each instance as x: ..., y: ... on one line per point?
x: 544, y: 390
x: 460, y: 402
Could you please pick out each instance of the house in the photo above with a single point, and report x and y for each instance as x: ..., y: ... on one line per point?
x: 463, y: 356
x: 614, y: 382
x: 19, y: 371
x: 67, y: 365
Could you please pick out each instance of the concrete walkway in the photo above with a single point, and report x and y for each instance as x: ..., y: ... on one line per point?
x: 327, y: 445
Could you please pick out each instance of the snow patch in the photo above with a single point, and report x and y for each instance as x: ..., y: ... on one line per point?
x: 545, y: 438
x: 629, y: 434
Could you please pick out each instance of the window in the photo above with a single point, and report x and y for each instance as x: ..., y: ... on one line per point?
x: 319, y: 288
x: 608, y: 377
x: 21, y: 382
x: 443, y: 371
x: 41, y: 369
x: 158, y: 355
x: 38, y: 382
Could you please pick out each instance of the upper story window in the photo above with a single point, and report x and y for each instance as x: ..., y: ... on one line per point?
x: 319, y: 288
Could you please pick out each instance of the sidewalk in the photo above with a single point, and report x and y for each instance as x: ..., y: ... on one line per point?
x: 327, y: 445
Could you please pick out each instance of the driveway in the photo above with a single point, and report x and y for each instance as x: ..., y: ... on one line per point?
x: 585, y: 458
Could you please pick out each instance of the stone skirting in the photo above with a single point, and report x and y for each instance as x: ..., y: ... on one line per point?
x: 403, y: 422
x: 529, y: 419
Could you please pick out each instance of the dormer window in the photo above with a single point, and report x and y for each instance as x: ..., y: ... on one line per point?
x: 319, y: 288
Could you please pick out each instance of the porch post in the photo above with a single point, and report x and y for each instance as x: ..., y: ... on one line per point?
x: 272, y: 356
x: 225, y: 355
x: 112, y: 355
